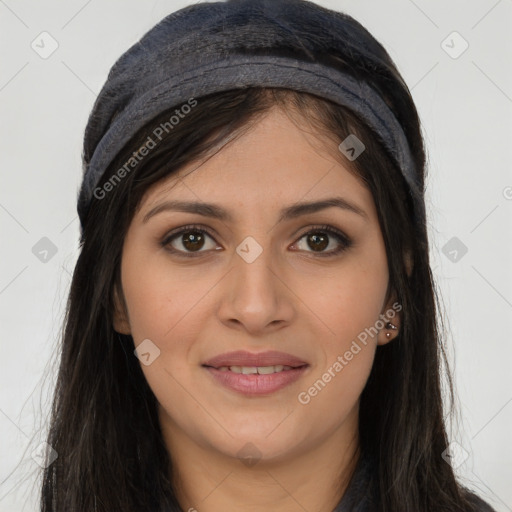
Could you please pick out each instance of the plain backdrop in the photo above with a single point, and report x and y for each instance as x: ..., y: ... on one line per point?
x: 456, y: 58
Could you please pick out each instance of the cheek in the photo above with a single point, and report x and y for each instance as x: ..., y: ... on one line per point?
x: 349, y: 309
x: 164, y: 306
x: 151, y: 306
x: 345, y: 303
x: 333, y: 393
x: 160, y: 298
x: 348, y: 304
x: 167, y: 306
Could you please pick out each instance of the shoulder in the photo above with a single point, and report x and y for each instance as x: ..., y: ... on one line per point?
x: 477, y: 503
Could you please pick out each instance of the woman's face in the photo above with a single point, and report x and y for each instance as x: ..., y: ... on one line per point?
x: 256, y: 273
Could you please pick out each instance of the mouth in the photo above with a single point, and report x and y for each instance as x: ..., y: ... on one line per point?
x: 255, y: 374
x: 253, y: 370
x: 244, y: 359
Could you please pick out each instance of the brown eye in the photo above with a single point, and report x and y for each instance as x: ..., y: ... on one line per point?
x: 190, y: 241
x: 193, y: 240
x: 319, y: 239
x: 187, y: 241
x: 318, y: 242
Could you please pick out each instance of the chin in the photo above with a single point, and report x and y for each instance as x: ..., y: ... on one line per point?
x: 257, y: 445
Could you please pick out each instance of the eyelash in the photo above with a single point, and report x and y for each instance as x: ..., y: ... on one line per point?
x: 345, y: 242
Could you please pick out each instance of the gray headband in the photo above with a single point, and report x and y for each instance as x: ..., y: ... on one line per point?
x: 136, y: 92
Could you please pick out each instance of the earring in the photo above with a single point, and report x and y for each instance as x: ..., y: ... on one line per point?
x: 389, y: 325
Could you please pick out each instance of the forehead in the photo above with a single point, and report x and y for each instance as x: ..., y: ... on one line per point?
x: 274, y: 162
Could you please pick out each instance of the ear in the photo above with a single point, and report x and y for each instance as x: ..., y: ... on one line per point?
x: 391, y: 317
x: 120, y: 319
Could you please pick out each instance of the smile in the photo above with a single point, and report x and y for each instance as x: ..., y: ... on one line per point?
x: 251, y: 370
x: 256, y: 380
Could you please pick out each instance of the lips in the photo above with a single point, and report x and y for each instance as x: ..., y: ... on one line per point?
x: 242, y: 358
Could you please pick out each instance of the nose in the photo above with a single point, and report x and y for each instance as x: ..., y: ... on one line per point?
x: 255, y: 296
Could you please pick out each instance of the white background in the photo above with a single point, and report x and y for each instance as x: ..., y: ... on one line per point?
x: 465, y: 104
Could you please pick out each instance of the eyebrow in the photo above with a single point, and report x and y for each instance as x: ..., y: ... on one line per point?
x: 291, y: 212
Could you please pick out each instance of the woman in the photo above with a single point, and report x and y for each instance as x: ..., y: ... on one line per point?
x: 252, y: 319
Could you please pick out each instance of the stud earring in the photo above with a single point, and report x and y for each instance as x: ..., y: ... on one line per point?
x: 389, y: 325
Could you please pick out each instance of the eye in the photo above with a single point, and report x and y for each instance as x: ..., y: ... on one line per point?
x: 189, y: 241
x: 319, y: 238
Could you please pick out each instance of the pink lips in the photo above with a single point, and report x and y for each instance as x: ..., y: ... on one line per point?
x: 255, y: 384
x: 243, y: 358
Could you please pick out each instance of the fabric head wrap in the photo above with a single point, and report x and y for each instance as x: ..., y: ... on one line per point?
x: 212, y: 47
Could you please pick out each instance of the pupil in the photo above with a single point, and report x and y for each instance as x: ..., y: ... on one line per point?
x: 193, y: 241
x: 319, y: 241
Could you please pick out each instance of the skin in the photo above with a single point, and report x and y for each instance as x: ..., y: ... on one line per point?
x: 289, y: 299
